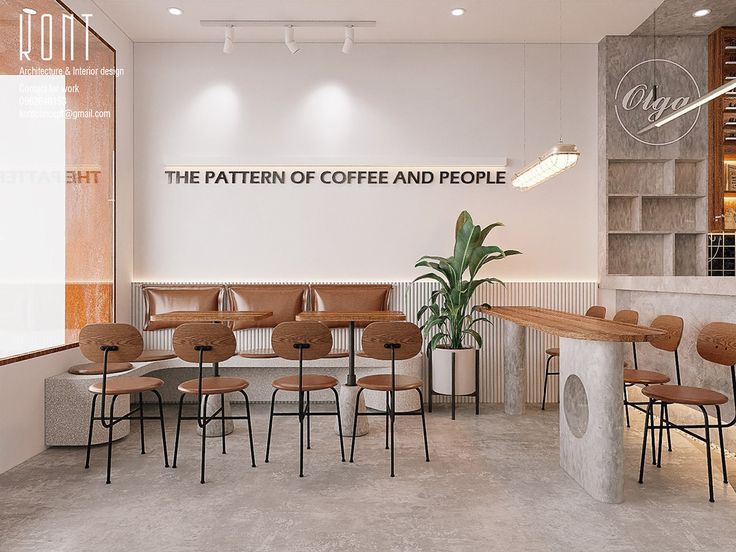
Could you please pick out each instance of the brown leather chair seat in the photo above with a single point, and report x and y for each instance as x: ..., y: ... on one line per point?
x: 258, y: 353
x: 126, y: 385
x: 153, y: 355
x: 95, y: 368
x: 214, y: 385
x: 681, y: 394
x: 309, y: 383
x: 645, y: 377
x: 344, y: 353
x: 553, y: 351
x: 382, y: 382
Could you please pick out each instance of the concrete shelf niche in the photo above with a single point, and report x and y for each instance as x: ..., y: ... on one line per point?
x: 657, y: 217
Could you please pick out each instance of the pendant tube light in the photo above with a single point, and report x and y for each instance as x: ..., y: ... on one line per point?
x: 712, y: 95
x: 557, y: 160
x: 289, y: 40
x: 229, y: 35
x: 347, y: 45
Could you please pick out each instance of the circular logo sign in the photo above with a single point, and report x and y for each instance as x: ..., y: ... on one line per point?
x: 651, y: 90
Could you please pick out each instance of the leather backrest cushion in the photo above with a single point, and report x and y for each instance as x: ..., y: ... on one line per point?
x: 350, y: 297
x: 161, y: 299
x: 284, y: 300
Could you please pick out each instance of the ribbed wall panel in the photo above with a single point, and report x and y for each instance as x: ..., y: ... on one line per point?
x: 409, y: 297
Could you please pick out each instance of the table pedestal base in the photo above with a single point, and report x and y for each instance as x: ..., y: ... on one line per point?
x: 591, y: 419
x: 214, y: 428
x: 348, y: 395
x: 514, y: 368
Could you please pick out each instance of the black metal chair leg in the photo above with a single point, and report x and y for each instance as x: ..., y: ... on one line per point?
x: 723, y: 448
x: 707, y: 453
x: 546, y: 377
x: 163, y: 426
x: 91, y: 427
x: 178, y: 429
x: 270, y: 425
x: 309, y: 425
x: 204, y: 440
x: 626, y: 406
x: 667, y: 420
x: 386, y: 420
x: 140, y: 412
x: 339, y: 423
x: 355, y: 424
x: 654, y: 442
x: 650, y: 407
x: 222, y: 423
x: 393, y: 419
x: 301, y: 433
x: 661, y: 435
x: 250, y: 429
x: 424, y: 425
x: 109, y: 437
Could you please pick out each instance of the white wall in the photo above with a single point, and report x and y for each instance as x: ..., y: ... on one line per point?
x: 383, y: 104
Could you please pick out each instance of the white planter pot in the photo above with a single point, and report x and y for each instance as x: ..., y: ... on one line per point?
x: 464, y: 371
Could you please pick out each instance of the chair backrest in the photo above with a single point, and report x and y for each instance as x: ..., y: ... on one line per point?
x: 596, y: 312
x: 161, y: 299
x: 127, y: 340
x: 314, y: 338
x: 284, y: 300
x: 673, y: 325
x: 626, y: 316
x: 378, y: 335
x: 717, y: 343
x: 218, y: 337
x: 349, y: 298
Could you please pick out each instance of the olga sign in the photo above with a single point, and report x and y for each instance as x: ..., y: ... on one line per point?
x: 650, y: 90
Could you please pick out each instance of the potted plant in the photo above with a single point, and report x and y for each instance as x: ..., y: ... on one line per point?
x: 451, y: 319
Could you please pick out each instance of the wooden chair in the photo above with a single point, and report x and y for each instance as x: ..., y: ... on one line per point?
x: 554, y: 352
x: 117, y: 343
x: 391, y: 341
x: 303, y: 341
x: 210, y: 343
x: 716, y: 343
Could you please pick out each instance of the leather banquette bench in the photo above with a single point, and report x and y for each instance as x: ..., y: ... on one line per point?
x: 68, y: 402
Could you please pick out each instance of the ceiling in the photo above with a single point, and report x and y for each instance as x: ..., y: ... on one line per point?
x: 485, y: 21
x: 675, y: 17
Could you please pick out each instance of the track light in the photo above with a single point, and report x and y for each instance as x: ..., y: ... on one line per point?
x: 229, y: 34
x: 347, y: 45
x: 289, y: 40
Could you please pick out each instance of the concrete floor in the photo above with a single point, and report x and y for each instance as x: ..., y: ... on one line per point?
x: 494, y: 483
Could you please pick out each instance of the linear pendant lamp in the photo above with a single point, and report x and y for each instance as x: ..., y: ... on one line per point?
x: 557, y: 160
x: 712, y: 95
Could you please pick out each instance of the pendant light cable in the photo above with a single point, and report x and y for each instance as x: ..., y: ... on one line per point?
x: 560, y: 60
x: 523, y: 95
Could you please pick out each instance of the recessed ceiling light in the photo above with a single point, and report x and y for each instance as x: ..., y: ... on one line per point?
x: 29, y: 11
x: 701, y: 13
x: 176, y: 11
x: 458, y: 11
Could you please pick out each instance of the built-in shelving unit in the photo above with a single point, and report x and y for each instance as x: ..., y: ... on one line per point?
x: 656, y: 217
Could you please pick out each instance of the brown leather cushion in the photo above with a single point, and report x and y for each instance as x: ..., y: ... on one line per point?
x: 349, y: 298
x: 259, y: 353
x: 152, y: 355
x: 684, y: 395
x: 382, y: 382
x: 344, y: 353
x: 646, y: 377
x: 285, y: 301
x: 213, y: 385
x: 309, y: 383
x: 553, y: 351
x: 161, y: 299
x: 125, y: 385
x: 95, y: 368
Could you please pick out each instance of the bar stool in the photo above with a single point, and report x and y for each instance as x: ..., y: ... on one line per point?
x: 200, y: 343
x: 117, y: 343
x: 716, y: 343
x: 391, y: 341
x: 303, y: 341
x: 554, y: 352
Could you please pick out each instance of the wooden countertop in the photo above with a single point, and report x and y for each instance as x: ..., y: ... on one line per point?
x: 364, y: 316
x: 211, y: 316
x: 574, y: 326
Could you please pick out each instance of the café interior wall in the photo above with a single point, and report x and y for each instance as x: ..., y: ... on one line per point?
x: 390, y: 104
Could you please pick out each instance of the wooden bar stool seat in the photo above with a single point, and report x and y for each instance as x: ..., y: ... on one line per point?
x: 213, y: 386
x: 97, y: 368
x: 153, y: 355
x: 553, y: 351
x: 338, y: 353
x: 382, y: 382
x: 644, y: 377
x: 309, y: 383
x: 126, y: 385
x: 258, y: 353
x: 682, y: 394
